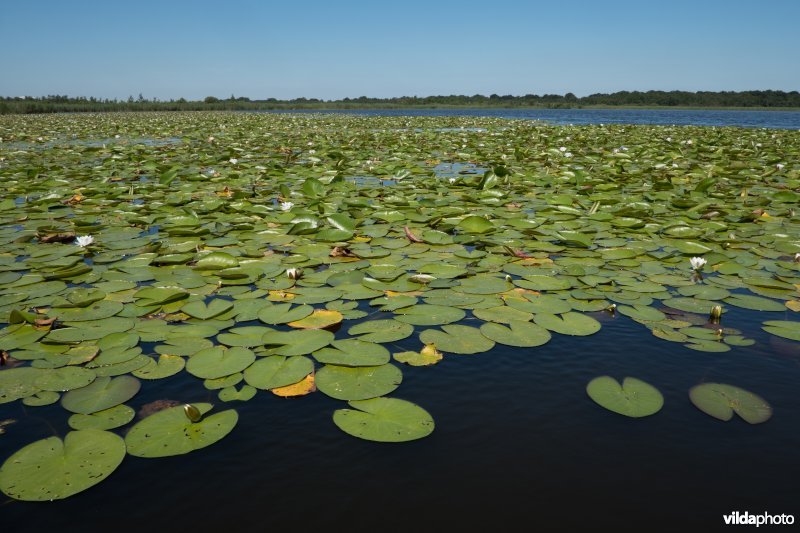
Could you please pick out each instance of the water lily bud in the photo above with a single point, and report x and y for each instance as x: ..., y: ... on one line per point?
x: 192, y: 412
x: 294, y: 273
x: 716, y: 313
x: 421, y: 278
x: 509, y: 278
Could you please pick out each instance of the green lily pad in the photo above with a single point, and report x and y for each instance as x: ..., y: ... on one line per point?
x: 543, y: 283
x: 788, y: 329
x: 484, y: 284
x: 163, y: 367
x: 218, y: 362
x: 16, y: 383
x: 64, y: 379
x: 457, y: 339
x: 721, y: 401
x: 277, y: 371
x: 571, y: 323
x: 522, y: 334
x: 634, y: 398
x: 245, y: 336
x: 503, y: 314
x: 384, y: 330
x: 203, y: 311
x: 429, y: 315
x: 353, y: 352
x: 299, y: 342
x: 358, y: 383
x: 756, y: 303
x: 41, y: 398
x: 229, y: 394
x: 102, y: 393
x: 52, y: 469
x: 111, y: 418
x: 170, y: 432
x: 641, y: 312
x: 284, y: 313
x: 384, y: 420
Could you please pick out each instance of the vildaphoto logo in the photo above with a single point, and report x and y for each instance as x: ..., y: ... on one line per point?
x: 764, y: 519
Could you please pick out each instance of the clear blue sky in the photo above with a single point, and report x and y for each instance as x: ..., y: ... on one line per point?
x: 335, y: 49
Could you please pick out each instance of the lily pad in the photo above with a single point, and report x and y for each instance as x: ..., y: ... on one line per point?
x: 518, y: 333
x: 170, y: 432
x: 299, y: 342
x: 429, y: 315
x: 353, y: 352
x: 634, y: 398
x: 384, y: 330
x: 358, y: 383
x: 217, y: 362
x: 52, y: 469
x: 457, y: 339
x: 721, y: 401
x: 103, y: 393
x: 384, y: 420
x: 111, y: 418
x: 571, y: 323
x: 277, y: 371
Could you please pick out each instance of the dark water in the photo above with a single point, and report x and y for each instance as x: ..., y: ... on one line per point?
x: 680, y: 117
x: 517, y: 443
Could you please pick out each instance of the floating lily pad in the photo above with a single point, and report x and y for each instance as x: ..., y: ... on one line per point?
x: 299, y: 342
x: 318, y: 319
x: 41, y: 398
x: 170, y: 432
x: 788, y: 329
x: 756, y: 303
x: 103, y: 393
x: 384, y: 420
x: 16, y: 383
x: 52, y: 469
x: 518, y: 333
x: 277, y: 371
x: 358, y: 383
x: 385, y: 330
x: 205, y: 311
x: 457, y: 339
x: 229, y: 394
x: 284, y: 313
x: 568, y: 323
x: 163, y: 367
x: 429, y: 315
x: 721, y: 401
x: 428, y: 355
x: 111, y: 418
x: 634, y: 398
x: 64, y: 379
x: 353, y: 352
x: 217, y: 362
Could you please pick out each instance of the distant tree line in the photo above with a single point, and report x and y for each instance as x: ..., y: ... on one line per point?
x: 66, y: 104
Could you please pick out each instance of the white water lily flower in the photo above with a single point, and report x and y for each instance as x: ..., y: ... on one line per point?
x: 294, y: 273
x: 797, y: 258
x: 780, y: 166
x: 285, y: 206
x: 452, y: 180
x: 233, y: 160
x: 563, y: 149
x: 84, y: 240
x: 697, y: 262
x: 567, y: 154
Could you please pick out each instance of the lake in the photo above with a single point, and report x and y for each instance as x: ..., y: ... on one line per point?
x: 518, y: 443
x: 664, y: 117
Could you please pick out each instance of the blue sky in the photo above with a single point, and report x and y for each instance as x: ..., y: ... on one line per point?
x: 329, y: 50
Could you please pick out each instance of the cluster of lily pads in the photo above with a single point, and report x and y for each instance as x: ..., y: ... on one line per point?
x: 296, y: 254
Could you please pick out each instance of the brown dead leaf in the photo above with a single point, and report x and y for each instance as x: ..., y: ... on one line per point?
x: 411, y: 236
x: 341, y: 251
x: 794, y: 305
x: 301, y: 388
x: 56, y: 237
x: 44, y: 321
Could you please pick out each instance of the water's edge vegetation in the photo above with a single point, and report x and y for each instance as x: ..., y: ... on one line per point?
x: 648, y: 99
